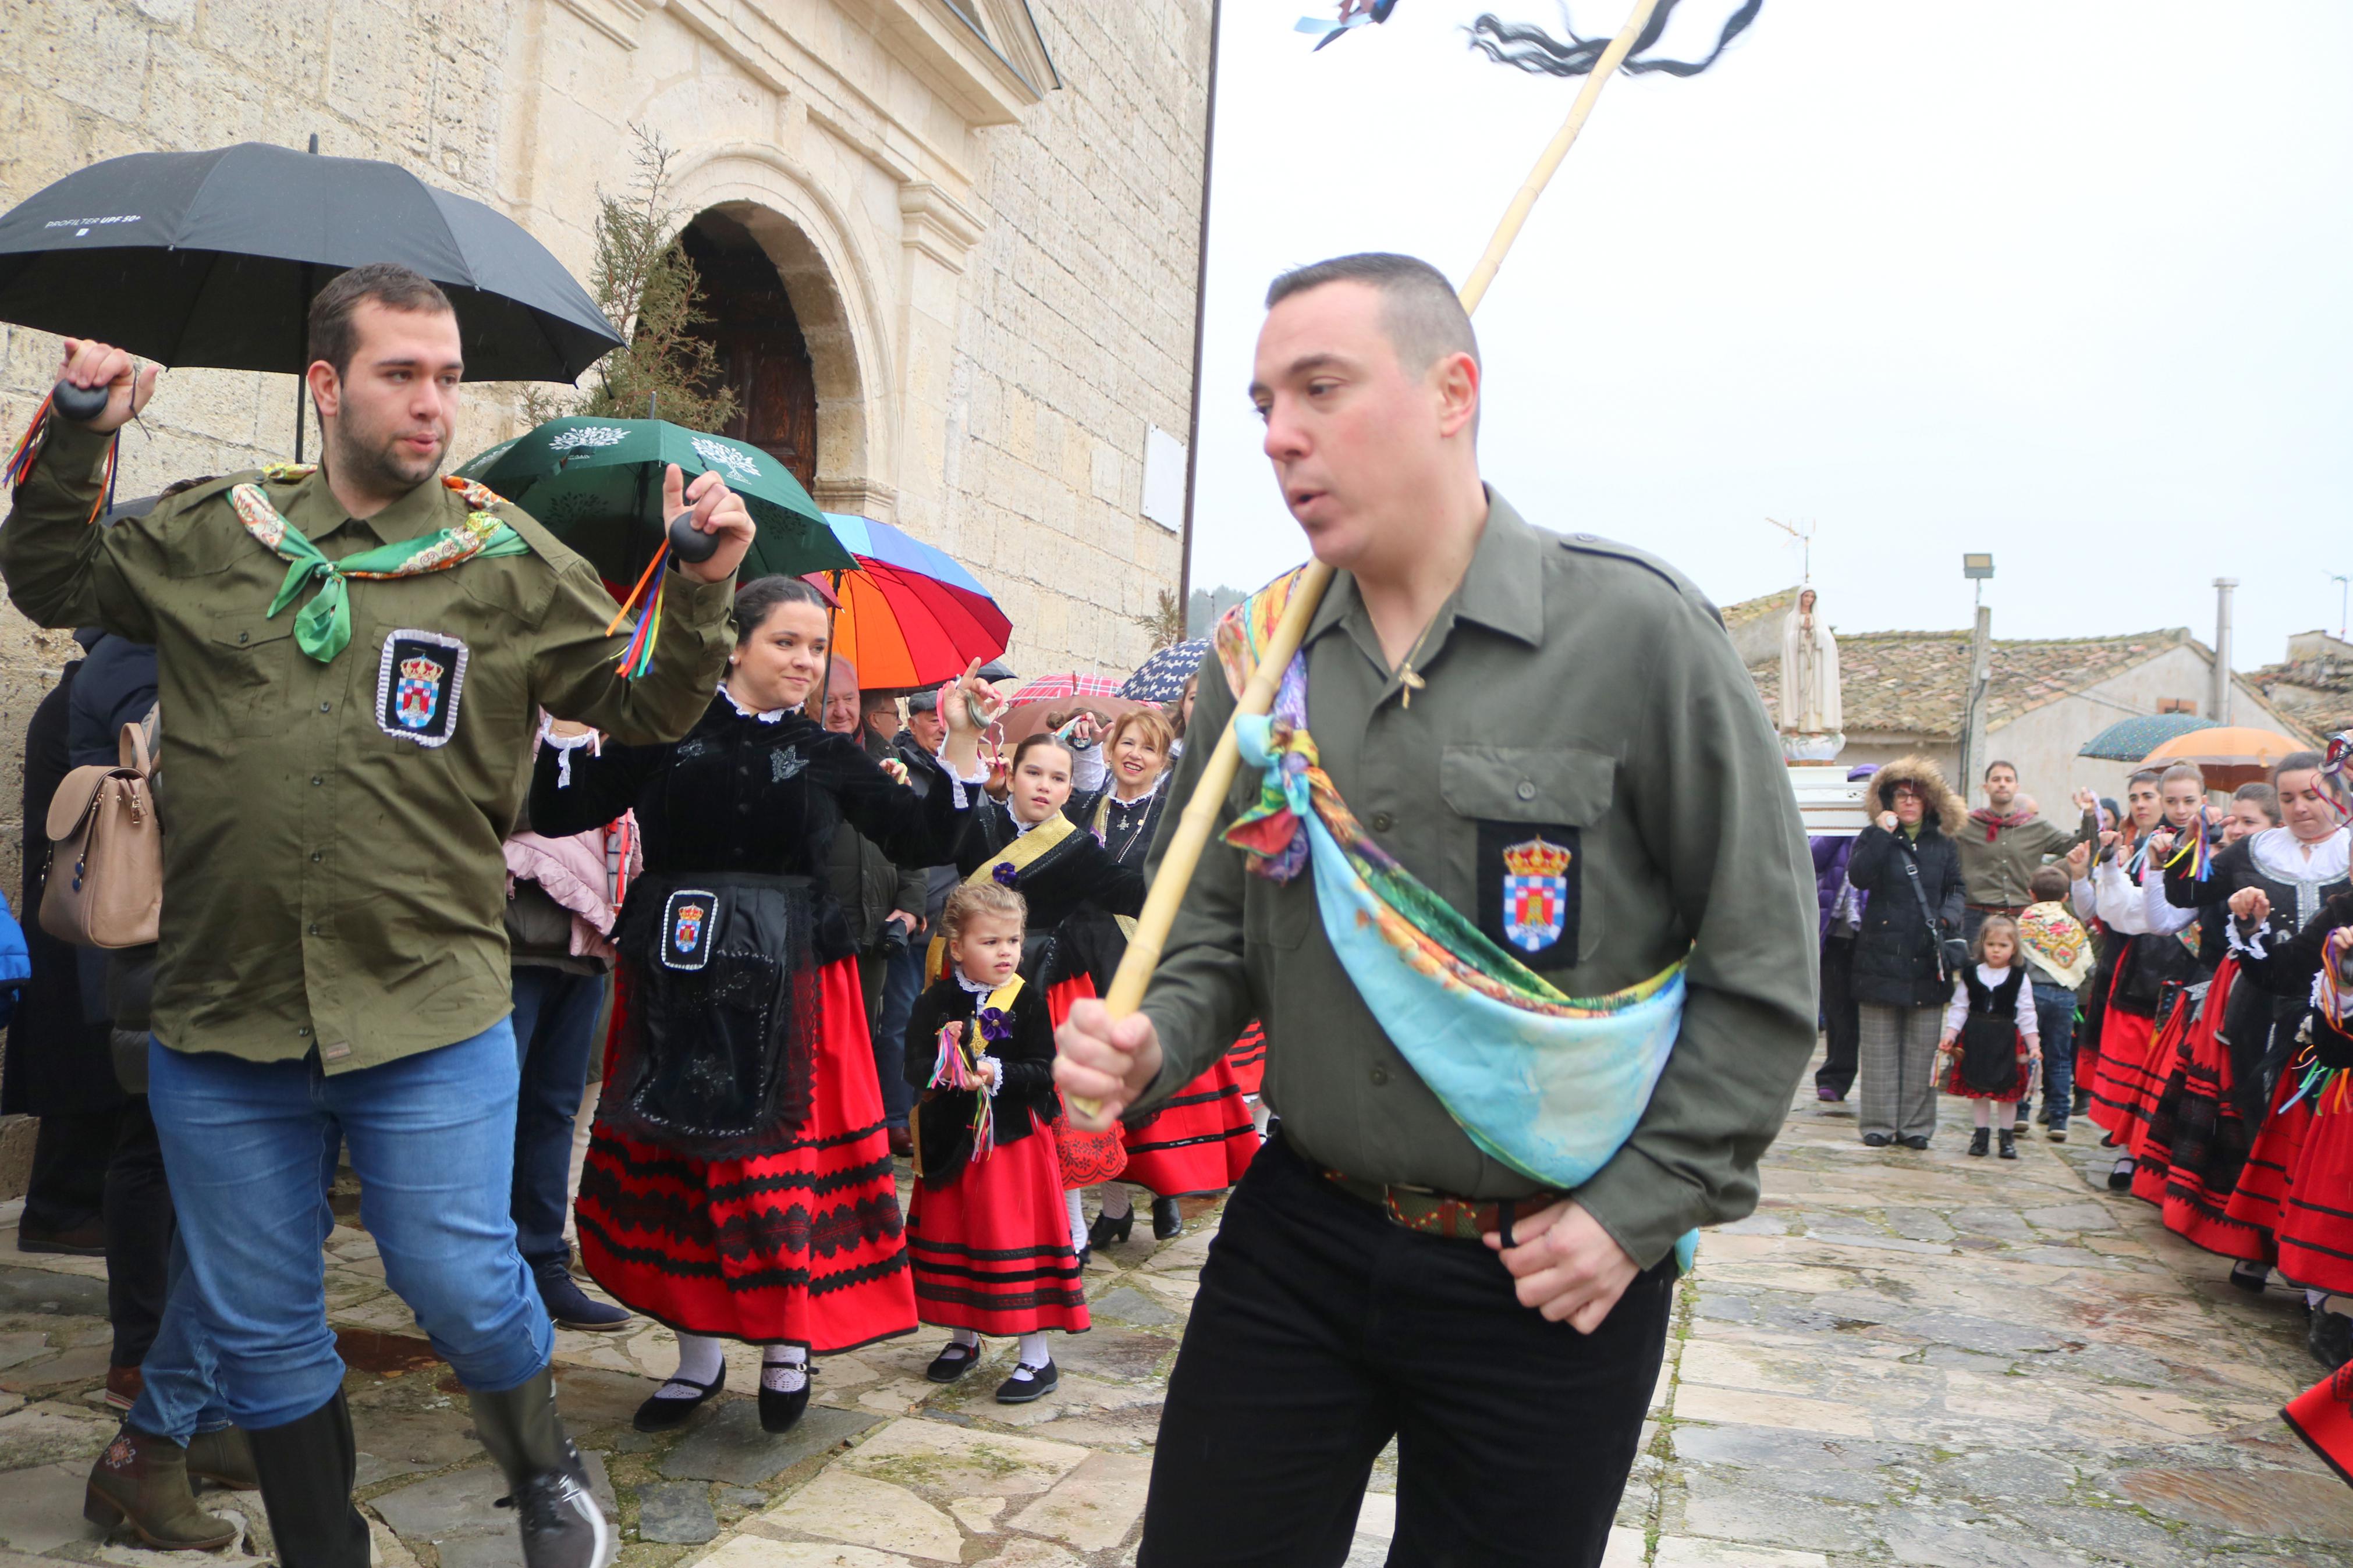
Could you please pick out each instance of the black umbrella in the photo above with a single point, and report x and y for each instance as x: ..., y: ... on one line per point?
x: 212, y: 257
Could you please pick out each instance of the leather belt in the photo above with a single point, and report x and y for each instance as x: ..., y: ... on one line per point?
x: 1433, y: 1213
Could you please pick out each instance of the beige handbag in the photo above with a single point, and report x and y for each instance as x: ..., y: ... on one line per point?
x: 106, y: 855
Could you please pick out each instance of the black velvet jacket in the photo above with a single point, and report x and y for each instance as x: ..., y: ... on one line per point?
x: 1077, y: 872
x: 740, y: 794
x: 1026, y: 1058
x: 1128, y: 830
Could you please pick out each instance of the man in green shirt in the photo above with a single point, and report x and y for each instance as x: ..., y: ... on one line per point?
x: 1475, y: 686
x: 352, y: 662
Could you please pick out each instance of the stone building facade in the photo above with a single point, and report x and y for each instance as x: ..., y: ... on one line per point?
x: 977, y: 220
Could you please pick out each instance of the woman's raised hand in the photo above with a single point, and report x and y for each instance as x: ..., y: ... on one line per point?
x: 2251, y: 905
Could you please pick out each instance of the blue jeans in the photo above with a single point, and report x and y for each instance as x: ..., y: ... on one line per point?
x: 180, y: 1375
x: 2055, y: 1015
x: 555, y: 1025
x: 902, y: 982
x: 432, y: 1140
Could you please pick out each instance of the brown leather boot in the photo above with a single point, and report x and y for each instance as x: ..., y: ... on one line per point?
x: 224, y: 1458
x: 141, y: 1480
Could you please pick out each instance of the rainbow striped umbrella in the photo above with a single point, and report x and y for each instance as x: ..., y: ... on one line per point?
x: 910, y: 616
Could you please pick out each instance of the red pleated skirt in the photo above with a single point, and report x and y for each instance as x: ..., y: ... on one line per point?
x: 2169, y: 1054
x: 1088, y: 1159
x: 2322, y: 1416
x: 991, y: 1249
x: 2123, y: 1088
x: 2258, y: 1203
x: 2196, y: 1143
x: 801, y: 1247
x: 1200, y: 1142
x: 2315, y: 1230
x: 1247, y: 1055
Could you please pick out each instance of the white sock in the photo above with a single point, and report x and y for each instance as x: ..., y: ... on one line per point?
x: 1259, y: 1116
x: 1077, y: 1211
x: 2313, y: 1298
x: 1115, y: 1205
x: 784, y: 1368
x: 1033, y: 1352
x: 700, y: 1360
x: 2125, y: 1166
x: 968, y: 1338
x: 2005, y: 1115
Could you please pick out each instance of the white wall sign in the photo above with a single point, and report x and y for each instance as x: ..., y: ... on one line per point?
x: 1164, y: 478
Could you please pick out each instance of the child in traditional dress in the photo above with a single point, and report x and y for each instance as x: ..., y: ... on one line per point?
x: 2059, y: 958
x: 987, y: 1232
x: 1995, y: 1041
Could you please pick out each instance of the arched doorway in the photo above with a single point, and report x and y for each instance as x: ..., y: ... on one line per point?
x: 763, y: 355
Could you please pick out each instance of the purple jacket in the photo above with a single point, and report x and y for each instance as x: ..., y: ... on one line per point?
x: 1830, y: 877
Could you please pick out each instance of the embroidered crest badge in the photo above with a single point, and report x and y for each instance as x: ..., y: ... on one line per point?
x: 418, y: 682
x: 689, y: 928
x: 1536, y: 894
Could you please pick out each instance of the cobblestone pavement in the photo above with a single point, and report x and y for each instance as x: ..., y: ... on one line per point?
x: 1918, y: 1358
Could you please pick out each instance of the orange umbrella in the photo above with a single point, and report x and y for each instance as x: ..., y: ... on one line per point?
x: 2230, y: 756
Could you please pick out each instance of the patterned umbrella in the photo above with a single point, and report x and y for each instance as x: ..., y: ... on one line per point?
x: 2131, y: 739
x: 1162, y: 678
x: 1061, y: 688
x: 909, y: 615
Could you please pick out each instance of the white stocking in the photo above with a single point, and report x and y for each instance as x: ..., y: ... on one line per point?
x: 784, y: 1368
x: 1033, y: 1350
x: 1077, y: 1213
x: 699, y: 1361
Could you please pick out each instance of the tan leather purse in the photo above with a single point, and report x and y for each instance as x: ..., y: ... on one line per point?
x: 105, y: 882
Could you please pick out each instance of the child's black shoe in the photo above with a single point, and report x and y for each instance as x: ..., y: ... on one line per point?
x: 1979, y: 1140
x: 1029, y: 1383
x: 952, y: 1363
x: 2009, y: 1145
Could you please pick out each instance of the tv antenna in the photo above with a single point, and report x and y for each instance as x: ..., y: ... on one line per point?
x: 1801, y: 535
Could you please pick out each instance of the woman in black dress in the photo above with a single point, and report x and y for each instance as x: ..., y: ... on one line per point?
x: 739, y: 1183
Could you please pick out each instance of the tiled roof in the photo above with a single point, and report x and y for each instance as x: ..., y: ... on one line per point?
x: 1912, y: 682
x: 1748, y: 610
x: 2318, y: 693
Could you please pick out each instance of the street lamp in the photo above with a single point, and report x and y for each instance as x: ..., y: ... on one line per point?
x: 1975, y: 567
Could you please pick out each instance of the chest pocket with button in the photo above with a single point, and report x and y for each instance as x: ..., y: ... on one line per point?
x: 1523, y: 814
x: 250, y: 659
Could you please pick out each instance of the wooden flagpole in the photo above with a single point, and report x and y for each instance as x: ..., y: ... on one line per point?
x: 1200, y: 818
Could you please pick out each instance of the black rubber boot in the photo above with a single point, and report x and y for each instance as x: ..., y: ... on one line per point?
x: 561, y: 1525
x: 306, y: 1468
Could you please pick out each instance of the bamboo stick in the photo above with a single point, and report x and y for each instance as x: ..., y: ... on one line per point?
x: 1199, y: 821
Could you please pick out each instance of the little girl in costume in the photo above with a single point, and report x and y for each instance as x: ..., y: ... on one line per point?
x: 988, y: 1235
x: 1991, y: 1033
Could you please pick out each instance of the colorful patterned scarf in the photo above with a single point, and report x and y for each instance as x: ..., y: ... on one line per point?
x: 322, y: 629
x: 2057, y: 942
x: 1549, y: 1084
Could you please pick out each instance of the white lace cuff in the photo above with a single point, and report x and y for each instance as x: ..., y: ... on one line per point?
x: 564, y: 746
x: 2250, y: 943
x: 958, y: 781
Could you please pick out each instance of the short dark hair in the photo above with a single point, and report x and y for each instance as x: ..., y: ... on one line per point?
x: 2265, y: 796
x: 872, y: 703
x: 1421, y: 311
x: 2144, y: 775
x: 1991, y: 766
x: 2049, y: 884
x: 389, y: 284
x: 1031, y: 743
x: 758, y: 600
x: 2297, y: 762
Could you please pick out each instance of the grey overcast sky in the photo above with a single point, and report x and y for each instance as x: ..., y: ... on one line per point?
x: 2068, y: 280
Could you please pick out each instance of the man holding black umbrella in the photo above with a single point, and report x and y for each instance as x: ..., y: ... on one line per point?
x: 352, y: 663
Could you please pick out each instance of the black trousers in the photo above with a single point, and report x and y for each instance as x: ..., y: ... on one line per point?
x: 1841, y: 1025
x: 67, y: 1188
x: 1322, y: 1330
x: 138, y: 1224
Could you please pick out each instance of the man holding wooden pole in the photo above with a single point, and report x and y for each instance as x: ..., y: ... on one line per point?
x: 1529, y: 895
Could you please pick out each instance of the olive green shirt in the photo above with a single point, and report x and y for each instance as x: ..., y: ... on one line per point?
x: 1580, y: 693
x: 331, y: 871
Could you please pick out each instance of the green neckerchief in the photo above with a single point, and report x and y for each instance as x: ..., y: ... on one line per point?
x: 322, y: 629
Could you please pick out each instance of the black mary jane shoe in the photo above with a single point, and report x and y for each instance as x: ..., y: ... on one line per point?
x: 1106, y: 1230
x: 1166, y: 1219
x: 781, y: 1412
x: 2008, y: 1140
x: 953, y: 1363
x: 1041, y: 1381
x: 2120, y: 1179
x: 1979, y: 1141
x: 1876, y: 1139
x: 2251, y: 1277
x: 660, y: 1415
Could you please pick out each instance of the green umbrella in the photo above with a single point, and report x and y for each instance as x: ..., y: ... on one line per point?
x: 596, y: 484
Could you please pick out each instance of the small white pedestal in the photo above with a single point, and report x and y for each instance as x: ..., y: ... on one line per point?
x: 1830, y: 807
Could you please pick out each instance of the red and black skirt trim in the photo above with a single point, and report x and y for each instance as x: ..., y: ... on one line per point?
x: 2195, y: 1146
x: 1953, y: 1082
x: 1200, y: 1142
x: 2123, y: 1088
x: 2316, y: 1226
x: 1247, y: 1056
x: 2259, y: 1202
x: 1088, y: 1159
x: 803, y: 1246
x: 2322, y: 1416
x: 991, y: 1248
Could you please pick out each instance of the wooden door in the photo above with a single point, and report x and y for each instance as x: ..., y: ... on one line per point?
x: 763, y: 356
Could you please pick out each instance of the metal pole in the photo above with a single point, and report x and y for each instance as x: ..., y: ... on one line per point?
x: 1973, y: 696
x: 2220, y: 706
